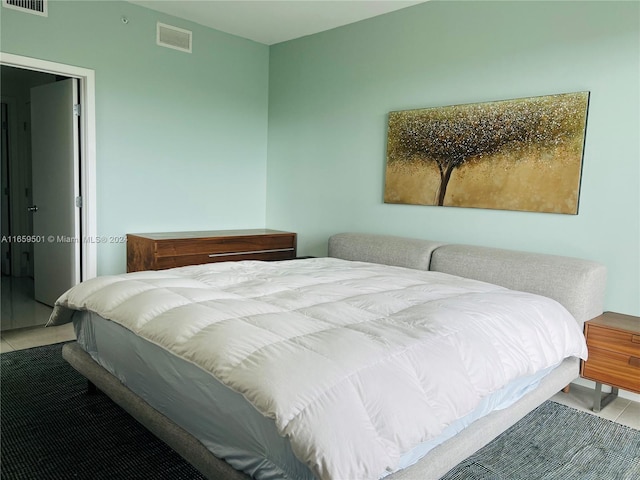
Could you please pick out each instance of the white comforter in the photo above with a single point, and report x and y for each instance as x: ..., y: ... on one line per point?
x: 356, y: 363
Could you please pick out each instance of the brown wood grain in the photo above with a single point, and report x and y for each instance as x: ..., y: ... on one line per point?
x: 160, y: 250
x: 614, y: 352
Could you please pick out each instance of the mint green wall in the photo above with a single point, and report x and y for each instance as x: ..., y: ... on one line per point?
x: 329, y: 95
x: 181, y: 138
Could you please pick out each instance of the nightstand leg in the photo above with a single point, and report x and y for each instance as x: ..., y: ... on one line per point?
x: 599, y: 402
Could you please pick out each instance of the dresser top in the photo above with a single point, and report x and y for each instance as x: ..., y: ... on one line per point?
x: 209, y: 234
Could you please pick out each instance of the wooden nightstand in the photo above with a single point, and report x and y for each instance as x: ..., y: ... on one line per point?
x: 613, y: 340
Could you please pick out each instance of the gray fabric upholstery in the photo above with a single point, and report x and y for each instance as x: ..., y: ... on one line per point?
x: 577, y: 284
x: 383, y: 249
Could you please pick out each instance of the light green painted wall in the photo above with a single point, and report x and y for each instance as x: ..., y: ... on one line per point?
x: 181, y: 138
x: 329, y: 95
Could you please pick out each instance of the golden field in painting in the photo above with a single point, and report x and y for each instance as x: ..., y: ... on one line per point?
x: 532, y: 184
x: 523, y: 154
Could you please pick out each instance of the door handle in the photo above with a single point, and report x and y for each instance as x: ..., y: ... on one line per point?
x: 33, y: 208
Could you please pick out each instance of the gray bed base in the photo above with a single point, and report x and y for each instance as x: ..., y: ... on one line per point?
x: 577, y: 284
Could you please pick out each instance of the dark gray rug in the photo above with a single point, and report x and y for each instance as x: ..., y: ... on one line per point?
x: 555, y: 442
x: 52, y: 429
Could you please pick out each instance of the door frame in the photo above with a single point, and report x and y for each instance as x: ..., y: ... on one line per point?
x: 88, y: 212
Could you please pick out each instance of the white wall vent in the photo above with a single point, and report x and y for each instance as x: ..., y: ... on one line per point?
x: 37, y: 7
x: 173, y: 37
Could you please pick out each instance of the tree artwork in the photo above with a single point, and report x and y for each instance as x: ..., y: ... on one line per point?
x: 523, y: 154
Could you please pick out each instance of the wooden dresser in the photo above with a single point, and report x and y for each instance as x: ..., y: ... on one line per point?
x: 157, y: 251
x: 613, y: 340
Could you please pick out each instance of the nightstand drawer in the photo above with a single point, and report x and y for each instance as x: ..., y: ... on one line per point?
x: 609, y: 339
x: 616, y: 369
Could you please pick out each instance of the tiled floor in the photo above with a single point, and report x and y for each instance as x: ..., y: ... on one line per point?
x: 22, y: 338
x: 26, y: 318
x: 19, y: 309
x: 621, y: 410
x: 23, y: 319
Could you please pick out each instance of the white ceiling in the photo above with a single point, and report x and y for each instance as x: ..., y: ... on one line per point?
x: 269, y: 22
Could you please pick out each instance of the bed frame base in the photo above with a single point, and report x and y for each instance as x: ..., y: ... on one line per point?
x: 431, y: 467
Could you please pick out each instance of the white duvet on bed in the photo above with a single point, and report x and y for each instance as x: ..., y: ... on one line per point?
x: 356, y: 363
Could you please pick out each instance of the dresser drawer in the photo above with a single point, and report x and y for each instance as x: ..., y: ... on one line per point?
x: 616, y: 369
x: 184, y: 260
x: 620, y: 341
x: 222, y: 246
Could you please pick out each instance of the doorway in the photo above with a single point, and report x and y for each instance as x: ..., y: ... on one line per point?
x: 18, y: 259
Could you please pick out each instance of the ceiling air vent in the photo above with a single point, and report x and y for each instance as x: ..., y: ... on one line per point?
x: 173, y: 37
x: 37, y: 7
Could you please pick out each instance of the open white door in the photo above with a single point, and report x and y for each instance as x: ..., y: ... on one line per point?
x: 56, y: 185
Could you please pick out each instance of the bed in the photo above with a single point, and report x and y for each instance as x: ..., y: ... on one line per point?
x: 383, y: 360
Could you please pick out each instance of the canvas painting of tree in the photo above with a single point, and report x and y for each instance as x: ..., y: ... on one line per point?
x: 523, y: 154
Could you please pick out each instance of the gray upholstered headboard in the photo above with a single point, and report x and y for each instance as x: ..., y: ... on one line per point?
x: 577, y: 284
